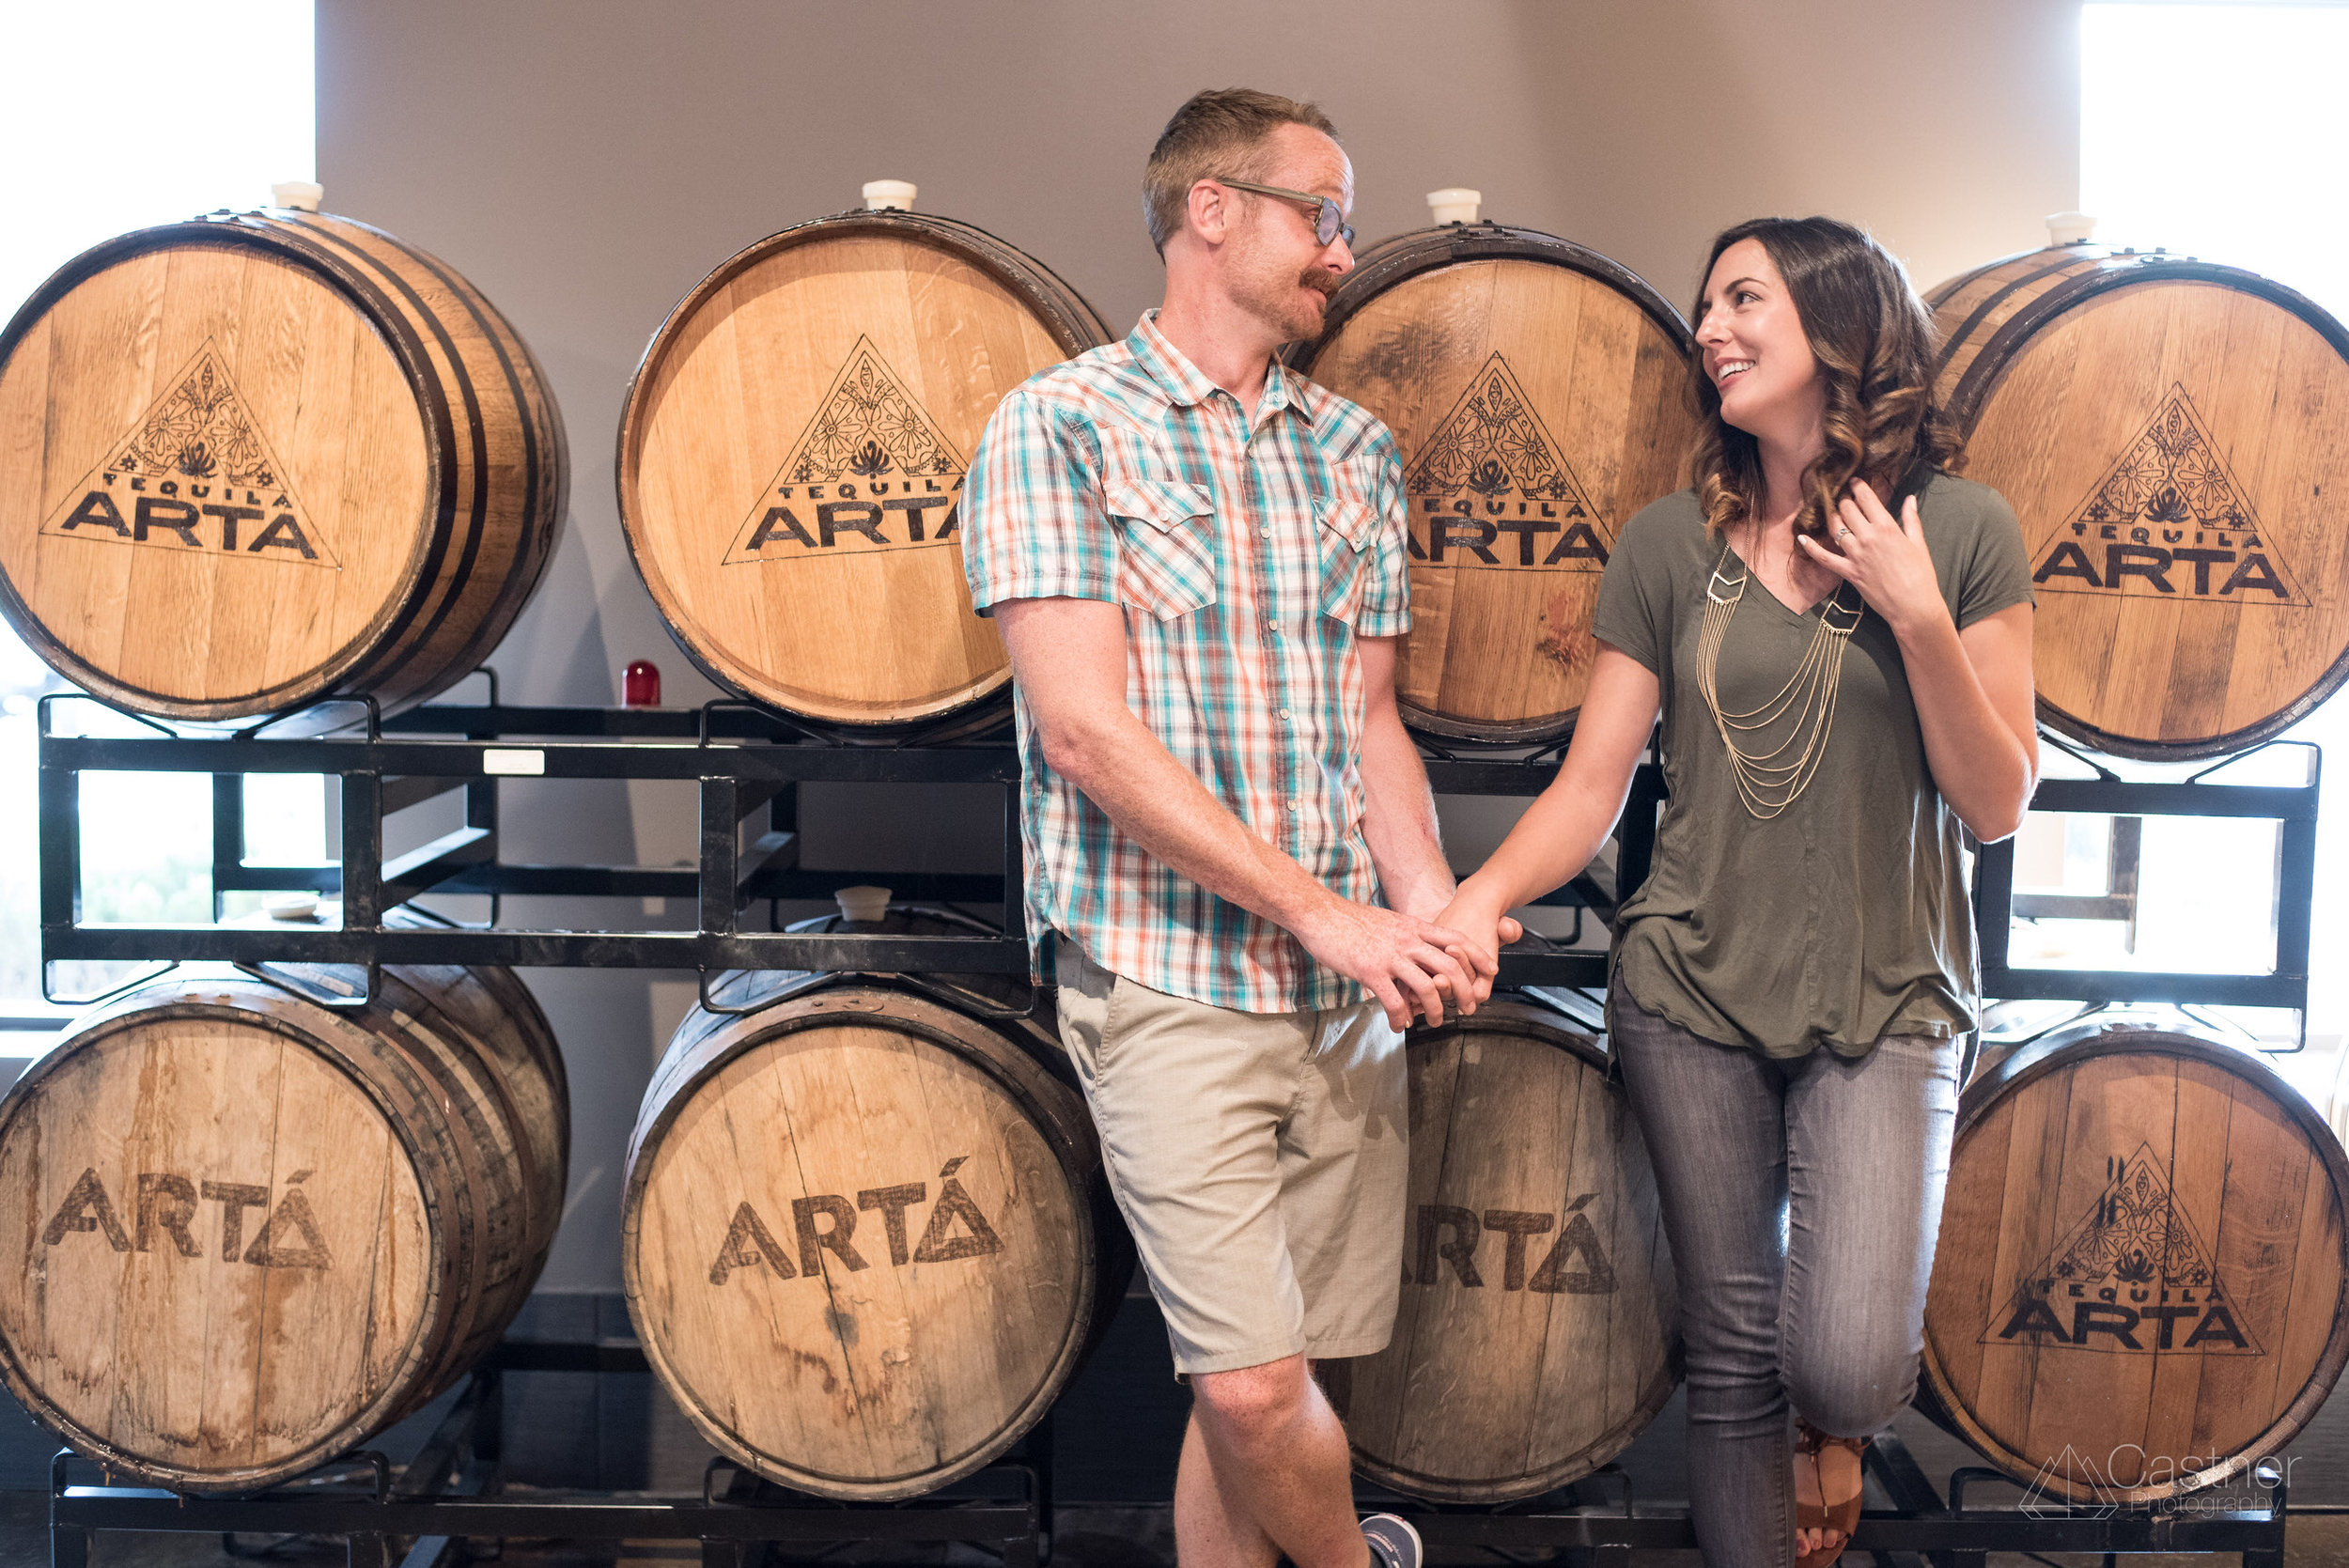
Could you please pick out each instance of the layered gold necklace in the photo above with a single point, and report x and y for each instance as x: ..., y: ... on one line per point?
x: 1770, y: 781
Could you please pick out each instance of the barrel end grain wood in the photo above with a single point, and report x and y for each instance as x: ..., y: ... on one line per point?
x: 792, y: 451
x: 2174, y: 436
x: 1537, y: 1334
x: 2138, y: 1288
x: 1539, y: 394
x: 865, y: 1236
x: 246, y: 1232
x: 259, y: 460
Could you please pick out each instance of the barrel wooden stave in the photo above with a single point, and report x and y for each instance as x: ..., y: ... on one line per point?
x: 391, y: 1211
x: 1502, y: 651
x: 2044, y: 1139
x: 423, y: 464
x: 489, y: 1056
x: 1539, y: 1372
x: 2063, y: 367
x: 509, y: 472
x: 935, y: 319
x: 895, y: 1374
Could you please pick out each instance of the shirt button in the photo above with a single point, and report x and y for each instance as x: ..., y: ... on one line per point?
x: 1292, y: 805
x: 1284, y: 716
x: 1268, y: 532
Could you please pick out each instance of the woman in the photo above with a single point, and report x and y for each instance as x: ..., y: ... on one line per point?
x: 1837, y: 636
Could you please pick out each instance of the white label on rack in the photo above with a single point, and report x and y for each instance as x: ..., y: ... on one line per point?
x: 506, y: 761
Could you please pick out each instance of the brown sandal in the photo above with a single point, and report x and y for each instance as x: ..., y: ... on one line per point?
x: 1844, y: 1516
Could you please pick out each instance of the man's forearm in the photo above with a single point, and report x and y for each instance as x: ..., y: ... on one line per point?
x: 1399, y: 820
x: 1128, y: 772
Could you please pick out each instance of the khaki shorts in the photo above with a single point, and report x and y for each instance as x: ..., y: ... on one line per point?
x: 1261, y: 1160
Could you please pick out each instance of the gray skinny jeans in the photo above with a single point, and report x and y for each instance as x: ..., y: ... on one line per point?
x: 1802, y: 1199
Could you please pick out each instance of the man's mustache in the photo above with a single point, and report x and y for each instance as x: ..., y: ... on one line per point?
x: 1321, y: 280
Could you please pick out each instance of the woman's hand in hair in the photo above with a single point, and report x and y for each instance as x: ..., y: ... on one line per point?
x: 1883, y: 557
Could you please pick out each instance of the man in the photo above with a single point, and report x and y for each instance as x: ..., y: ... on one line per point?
x: 1197, y: 561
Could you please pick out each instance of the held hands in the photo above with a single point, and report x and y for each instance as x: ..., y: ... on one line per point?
x: 1477, y: 910
x: 1409, y: 964
x: 1883, y: 557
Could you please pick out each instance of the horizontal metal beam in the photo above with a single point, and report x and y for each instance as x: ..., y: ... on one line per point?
x: 2123, y: 797
x: 1552, y: 968
x: 937, y: 887
x: 1479, y: 776
x: 567, y: 1356
x: 2104, y: 986
x: 449, y: 763
x: 2067, y: 905
x: 591, y: 1515
x: 660, y: 950
x: 1878, y: 1531
x: 652, y: 881
x: 577, y: 881
x: 651, y: 723
x: 234, y: 877
x: 679, y: 949
x: 463, y: 760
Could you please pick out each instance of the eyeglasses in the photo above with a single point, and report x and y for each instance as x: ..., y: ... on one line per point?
x: 1329, y: 218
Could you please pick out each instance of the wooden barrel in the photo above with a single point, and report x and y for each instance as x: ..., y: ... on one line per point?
x: 792, y: 451
x: 260, y: 458
x: 1538, y: 392
x: 2138, y: 1288
x: 865, y: 1232
x: 1537, y: 1332
x: 2175, y: 437
x: 245, y: 1232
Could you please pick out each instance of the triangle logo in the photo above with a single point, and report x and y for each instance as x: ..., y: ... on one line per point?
x: 1490, y: 491
x: 2131, y: 1276
x: 872, y: 472
x: 196, y: 473
x: 2167, y: 521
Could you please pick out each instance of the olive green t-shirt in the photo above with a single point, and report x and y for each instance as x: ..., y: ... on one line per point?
x: 1845, y: 917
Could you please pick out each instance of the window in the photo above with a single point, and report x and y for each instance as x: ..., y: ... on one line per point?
x: 2210, y: 130
x: 203, y: 107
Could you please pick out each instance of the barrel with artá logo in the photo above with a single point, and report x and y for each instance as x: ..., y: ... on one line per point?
x: 792, y: 449
x: 245, y: 1230
x: 259, y: 459
x: 1537, y: 1332
x: 1538, y: 392
x: 2174, y: 435
x: 865, y: 1234
x: 2138, y: 1292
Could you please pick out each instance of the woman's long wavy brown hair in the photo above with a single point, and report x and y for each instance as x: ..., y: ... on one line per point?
x: 1875, y: 342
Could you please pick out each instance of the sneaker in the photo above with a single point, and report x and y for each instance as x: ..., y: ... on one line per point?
x: 1393, y: 1543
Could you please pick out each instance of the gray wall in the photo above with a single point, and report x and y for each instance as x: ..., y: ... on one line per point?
x: 586, y: 161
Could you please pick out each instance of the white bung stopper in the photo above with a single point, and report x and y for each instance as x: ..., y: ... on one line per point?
x: 865, y: 906
x: 291, y: 906
x: 881, y: 194
x: 1454, y: 204
x: 302, y: 195
x: 2070, y: 229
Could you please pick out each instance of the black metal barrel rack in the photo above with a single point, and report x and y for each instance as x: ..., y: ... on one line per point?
x: 748, y: 766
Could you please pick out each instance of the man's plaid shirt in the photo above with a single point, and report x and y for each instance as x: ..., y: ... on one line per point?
x: 1248, y: 558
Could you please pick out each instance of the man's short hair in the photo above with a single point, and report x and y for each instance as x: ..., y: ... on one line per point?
x: 1219, y: 133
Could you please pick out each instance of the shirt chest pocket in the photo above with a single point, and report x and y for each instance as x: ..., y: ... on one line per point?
x: 1346, y: 530
x: 1165, y: 545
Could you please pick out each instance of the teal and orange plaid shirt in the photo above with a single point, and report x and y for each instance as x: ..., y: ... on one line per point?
x: 1249, y: 553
